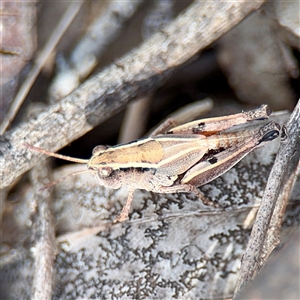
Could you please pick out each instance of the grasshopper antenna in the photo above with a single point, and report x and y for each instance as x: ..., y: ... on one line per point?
x: 68, y: 158
x: 49, y: 153
x: 49, y: 185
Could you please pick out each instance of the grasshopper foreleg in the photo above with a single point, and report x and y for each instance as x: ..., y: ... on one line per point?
x: 123, y: 216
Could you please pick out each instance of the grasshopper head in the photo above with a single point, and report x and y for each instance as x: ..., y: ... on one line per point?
x: 98, y: 165
x: 105, y: 174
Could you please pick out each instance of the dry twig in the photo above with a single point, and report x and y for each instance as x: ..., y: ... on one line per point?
x: 265, y: 229
x: 43, y: 235
x: 39, y: 63
x: 86, y: 54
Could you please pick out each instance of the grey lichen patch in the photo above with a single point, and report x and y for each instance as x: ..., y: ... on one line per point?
x: 16, y: 274
x: 145, y: 259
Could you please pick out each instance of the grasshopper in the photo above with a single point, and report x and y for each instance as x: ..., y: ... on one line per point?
x: 179, y: 160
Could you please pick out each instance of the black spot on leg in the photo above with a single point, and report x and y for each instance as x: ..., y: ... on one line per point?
x: 213, y: 160
x: 200, y: 128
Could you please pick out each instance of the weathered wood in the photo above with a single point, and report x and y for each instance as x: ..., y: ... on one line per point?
x: 285, y: 166
x: 43, y: 238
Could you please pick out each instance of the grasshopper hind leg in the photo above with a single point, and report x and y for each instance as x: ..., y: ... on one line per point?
x: 188, y: 188
x: 205, y: 201
x: 164, y: 127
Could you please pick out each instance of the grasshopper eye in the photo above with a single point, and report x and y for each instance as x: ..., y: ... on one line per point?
x: 98, y: 149
x: 104, y: 172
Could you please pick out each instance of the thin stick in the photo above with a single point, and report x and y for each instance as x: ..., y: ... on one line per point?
x: 39, y: 63
x: 285, y: 166
x: 135, y: 119
x: 42, y: 235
